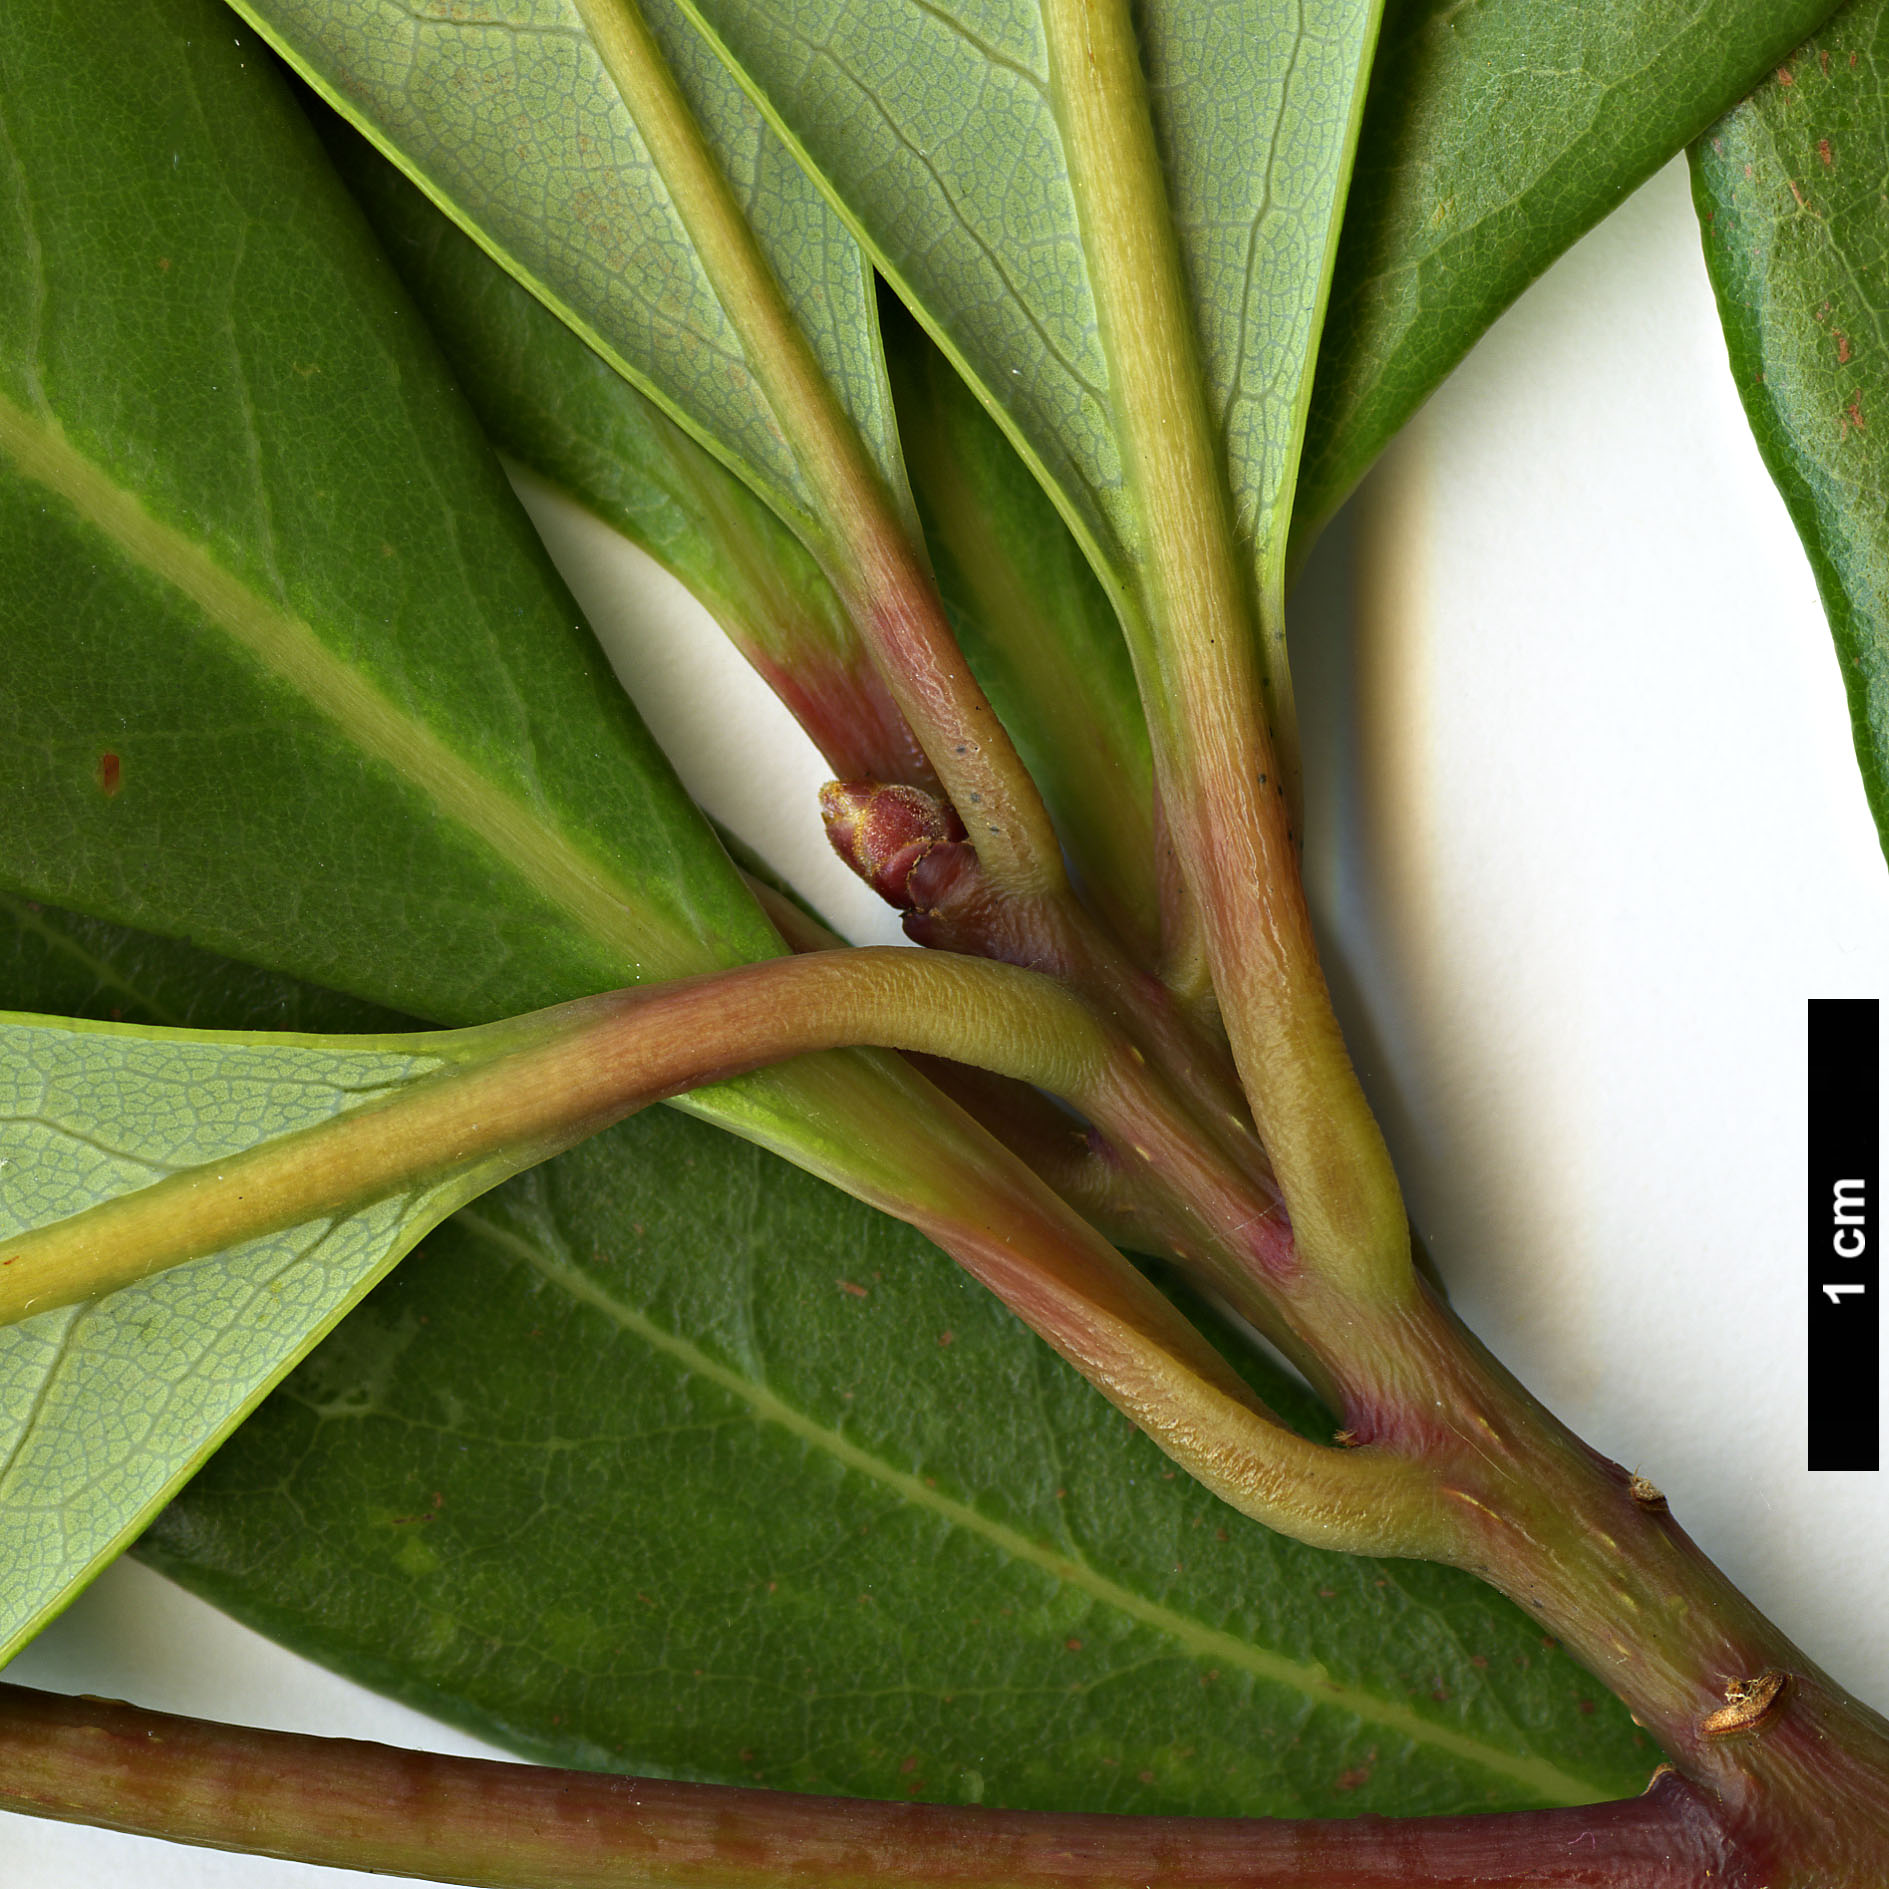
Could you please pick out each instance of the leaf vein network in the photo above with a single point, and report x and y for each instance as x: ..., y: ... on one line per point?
x: 1308, y: 1678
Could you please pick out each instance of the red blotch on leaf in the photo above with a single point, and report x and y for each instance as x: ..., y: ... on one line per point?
x: 110, y: 774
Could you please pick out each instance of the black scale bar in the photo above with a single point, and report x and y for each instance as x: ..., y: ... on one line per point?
x: 1845, y: 1362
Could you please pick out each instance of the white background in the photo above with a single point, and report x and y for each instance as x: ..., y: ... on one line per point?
x: 1586, y: 833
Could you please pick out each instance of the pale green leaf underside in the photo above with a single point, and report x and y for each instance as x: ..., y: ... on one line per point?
x: 106, y: 1408
x: 506, y: 117
x: 1256, y: 104
x: 934, y: 127
x: 553, y: 405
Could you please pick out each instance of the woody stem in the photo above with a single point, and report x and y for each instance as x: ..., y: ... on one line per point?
x: 514, y: 1826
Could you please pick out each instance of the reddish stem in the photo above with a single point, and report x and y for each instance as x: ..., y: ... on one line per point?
x: 845, y: 708
x: 515, y: 1826
x: 1795, y: 1767
x: 913, y: 852
x: 1074, y: 1160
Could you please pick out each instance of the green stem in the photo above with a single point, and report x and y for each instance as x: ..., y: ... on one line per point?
x: 347, y: 1804
x: 1222, y: 784
x: 862, y: 536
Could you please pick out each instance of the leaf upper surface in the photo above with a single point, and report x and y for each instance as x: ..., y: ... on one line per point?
x: 1495, y: 134
x: 288, y: 668
x: 1789, y: 190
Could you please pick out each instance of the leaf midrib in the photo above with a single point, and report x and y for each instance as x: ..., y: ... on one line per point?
x: 1207, y: 1644
x: 289, y: 649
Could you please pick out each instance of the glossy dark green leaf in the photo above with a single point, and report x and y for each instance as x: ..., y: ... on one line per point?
x: 1495, y: 134
x: 288, y: 671
x: 1789, y: 188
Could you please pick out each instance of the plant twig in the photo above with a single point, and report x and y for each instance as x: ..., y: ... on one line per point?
x: 514, y: 1826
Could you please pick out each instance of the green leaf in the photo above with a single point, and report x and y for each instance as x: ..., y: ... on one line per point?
x: 741, y: 1482
x: 1789, y: 192
x: 552, y: 404
x: 288, y: 671
x: 506, y: 117
x: 106, y: 1407
x: 936, y: 130
x: 1496, y: 134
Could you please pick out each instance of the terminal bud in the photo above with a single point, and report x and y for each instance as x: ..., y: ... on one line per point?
x: 885, y: 831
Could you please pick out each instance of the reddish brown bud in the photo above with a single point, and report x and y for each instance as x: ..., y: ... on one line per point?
x: 883, y: 832
x: 951, y: 908
x: 942, y: 878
